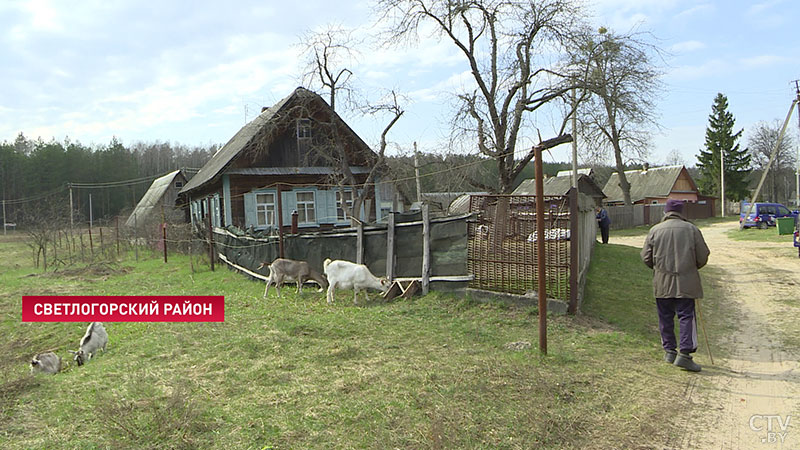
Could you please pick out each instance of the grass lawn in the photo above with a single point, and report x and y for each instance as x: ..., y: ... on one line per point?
x: 756, y: 235
x: 293, y: 372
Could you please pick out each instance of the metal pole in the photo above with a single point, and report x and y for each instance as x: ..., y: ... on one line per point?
x: 90, y: 211
x: 540, y: 256
x: 4, y: 216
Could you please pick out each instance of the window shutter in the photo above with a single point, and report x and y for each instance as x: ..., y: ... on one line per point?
x: 289, y: 204
x: 249, y: 209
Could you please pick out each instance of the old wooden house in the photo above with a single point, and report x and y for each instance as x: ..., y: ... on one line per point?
x: 654, y: 186
x: 290, y: 158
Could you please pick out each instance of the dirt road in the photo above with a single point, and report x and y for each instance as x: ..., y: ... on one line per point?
x: 750, y: 400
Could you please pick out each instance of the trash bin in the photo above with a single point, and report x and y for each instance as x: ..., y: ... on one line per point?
x: 785, y: 225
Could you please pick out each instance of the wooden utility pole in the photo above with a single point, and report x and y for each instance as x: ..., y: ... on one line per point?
x: 771, y: 160
x: 797, y: 172
x: 416, y: 173
x: 722, y: 181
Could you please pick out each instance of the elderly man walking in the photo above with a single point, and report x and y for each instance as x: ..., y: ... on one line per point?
x: 675, y: 250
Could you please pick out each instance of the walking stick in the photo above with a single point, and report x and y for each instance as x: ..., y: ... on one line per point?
x: 703, y: 326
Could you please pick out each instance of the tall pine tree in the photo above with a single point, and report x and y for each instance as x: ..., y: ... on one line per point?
x: 720, y: 137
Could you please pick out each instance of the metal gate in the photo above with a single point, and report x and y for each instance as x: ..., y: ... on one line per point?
x: 501, y: 250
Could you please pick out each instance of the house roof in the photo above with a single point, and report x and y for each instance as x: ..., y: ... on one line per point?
x: 560, y: 186
x: 654, y: 182
x: 250, y: 134
x: 566, y: 173
x: 152, y: 198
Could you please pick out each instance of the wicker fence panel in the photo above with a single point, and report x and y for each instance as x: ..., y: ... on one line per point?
x: 501, y: 253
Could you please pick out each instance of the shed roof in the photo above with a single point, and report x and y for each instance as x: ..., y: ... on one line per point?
x: 254, y: 130
x: 152, y: 198
x: 653, y: 182
x: 560, y: 186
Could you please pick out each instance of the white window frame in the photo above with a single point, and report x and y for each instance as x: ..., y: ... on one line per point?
x: 304, y: 128
x: 341, y: 213
x: 266, y: 210
x: 303, y: 208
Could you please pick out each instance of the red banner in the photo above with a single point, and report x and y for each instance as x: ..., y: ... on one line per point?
x: 126, y: 308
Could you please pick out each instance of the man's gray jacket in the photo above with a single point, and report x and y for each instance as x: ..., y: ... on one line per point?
x: 675, y: 250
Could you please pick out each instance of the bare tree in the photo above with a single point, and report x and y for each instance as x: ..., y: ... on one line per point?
x: 779, y: 183
x: 623, y: 83
x: 508, y: 46
x: 329, y: 55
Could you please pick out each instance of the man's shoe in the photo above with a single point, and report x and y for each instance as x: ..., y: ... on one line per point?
x: 685, y: 362
x: 669, y: 356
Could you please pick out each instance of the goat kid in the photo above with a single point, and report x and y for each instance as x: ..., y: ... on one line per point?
x: 348, y: 275
x: 47, y: 362
x: 290, y: 270
x: 94, y: 339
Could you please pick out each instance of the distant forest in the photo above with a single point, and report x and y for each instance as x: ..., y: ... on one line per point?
x: 117, y: 176
x: 35, y: 171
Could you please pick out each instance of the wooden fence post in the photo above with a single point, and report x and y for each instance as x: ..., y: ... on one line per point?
x: 210, y: 234
x: 164, y: 238
x: 91, y: 245
x: 117, y: 235
x: 360, y: 243
x: 426, y: 248
x: 390, y: 248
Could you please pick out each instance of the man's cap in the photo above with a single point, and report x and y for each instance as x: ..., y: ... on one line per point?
x: 673, y: 206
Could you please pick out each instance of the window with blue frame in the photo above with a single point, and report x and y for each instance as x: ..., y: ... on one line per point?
x: 342, y: 209
x: 265, y: 209
x: 305, y: 207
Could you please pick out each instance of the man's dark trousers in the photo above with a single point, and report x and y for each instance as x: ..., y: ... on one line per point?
x: 684, y: 308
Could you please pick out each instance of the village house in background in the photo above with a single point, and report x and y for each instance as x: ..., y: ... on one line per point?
x: 561, y: 184
x: 285, y: 160
x: 650, y: 190
x: 159, y: 199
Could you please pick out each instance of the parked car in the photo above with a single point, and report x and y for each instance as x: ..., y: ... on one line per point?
x: 764, y: 214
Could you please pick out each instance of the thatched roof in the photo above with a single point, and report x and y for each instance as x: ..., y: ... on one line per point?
x: 655, y: 182
x: 258, y: 132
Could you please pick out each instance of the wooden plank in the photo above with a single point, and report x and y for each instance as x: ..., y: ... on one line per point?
x: 360, y: 243
x: 394, y: 290
x: 411, y: 289
x: 390, y: 248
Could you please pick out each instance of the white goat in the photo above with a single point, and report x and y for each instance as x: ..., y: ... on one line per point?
x: 289, y: 270
x: 94, y: 339
x: 47, y: 362
x: 347, y: 275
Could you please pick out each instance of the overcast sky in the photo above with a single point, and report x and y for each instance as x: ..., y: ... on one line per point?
x: 193, y: 72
